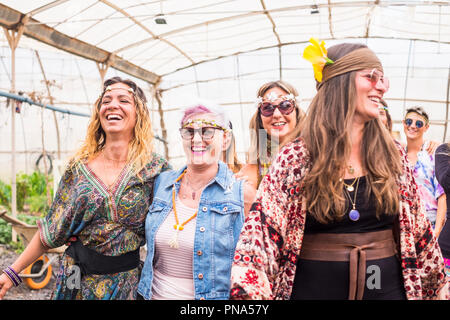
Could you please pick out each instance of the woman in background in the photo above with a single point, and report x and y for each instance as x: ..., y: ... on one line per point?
x: 277, y: 116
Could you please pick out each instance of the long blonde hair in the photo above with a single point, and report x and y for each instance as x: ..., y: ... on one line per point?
x: 261, y: 150
x: 326, y: 133
x: 140, y: 147
x: 230, y: 155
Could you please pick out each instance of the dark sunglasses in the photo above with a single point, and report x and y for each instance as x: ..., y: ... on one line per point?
x: 207, y: 133
x: 267, y: 109
x: 419, y: 123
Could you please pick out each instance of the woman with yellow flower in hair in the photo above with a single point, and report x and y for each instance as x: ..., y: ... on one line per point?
x: 101, y: 202
x: 338, y: 215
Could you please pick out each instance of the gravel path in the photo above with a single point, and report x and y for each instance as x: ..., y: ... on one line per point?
x: 22, y: 292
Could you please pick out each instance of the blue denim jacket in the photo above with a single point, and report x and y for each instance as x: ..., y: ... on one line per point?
x: 219, y: 221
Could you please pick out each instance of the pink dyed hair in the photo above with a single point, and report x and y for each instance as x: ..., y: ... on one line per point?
x: 220, y: 115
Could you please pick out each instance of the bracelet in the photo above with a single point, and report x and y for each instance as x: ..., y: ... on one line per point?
x: 13, y: 276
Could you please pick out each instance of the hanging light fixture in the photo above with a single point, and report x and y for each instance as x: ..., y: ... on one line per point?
x: 159, y: 19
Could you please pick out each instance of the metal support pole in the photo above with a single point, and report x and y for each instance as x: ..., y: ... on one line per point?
x: 103, y: 68
x: 157, y: 95
x: 13, y: 37
x: 446, y: 106
x: 44, y: 152
x: 406, y: 76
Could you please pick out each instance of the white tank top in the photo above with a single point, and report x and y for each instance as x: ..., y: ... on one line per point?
x: 172, y: 271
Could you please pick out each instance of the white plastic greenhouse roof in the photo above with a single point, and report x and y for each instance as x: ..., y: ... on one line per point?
x: 220, y: 50
x: 126, y: 33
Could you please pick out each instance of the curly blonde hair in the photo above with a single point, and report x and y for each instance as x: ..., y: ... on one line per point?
x: 140, y: 147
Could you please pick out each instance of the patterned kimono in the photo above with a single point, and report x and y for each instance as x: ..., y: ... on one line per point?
x: 110, y: 221
x: 269, y: 246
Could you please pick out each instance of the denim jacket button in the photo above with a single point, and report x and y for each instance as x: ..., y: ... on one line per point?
x: 202, y: 229
x: 200, y: 276
x: 204, y: 209
x: 225, y: 209
x: 199, y: 252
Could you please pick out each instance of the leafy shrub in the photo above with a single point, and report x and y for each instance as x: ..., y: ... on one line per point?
x: 31, y: 190
x: 5, y: 194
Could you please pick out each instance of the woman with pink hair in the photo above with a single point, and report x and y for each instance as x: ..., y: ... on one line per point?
x: 196, y: 216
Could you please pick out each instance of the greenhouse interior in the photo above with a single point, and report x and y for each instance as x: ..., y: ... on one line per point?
x: 56, y: 54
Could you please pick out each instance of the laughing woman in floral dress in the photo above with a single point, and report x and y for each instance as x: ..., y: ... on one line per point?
x: 101, y: 202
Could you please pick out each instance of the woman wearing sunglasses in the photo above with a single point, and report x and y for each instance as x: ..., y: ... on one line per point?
x: 415, y: 124
x: 338, y: 215
x: 277, y: 116
x: 196, y: 216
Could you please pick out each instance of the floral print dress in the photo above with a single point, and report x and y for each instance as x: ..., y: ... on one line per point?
x: 110, y: 221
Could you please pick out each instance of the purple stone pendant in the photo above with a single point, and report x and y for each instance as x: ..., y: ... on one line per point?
x: 354, y: 215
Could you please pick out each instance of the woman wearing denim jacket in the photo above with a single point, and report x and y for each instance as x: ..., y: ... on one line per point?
x: 196, y: 216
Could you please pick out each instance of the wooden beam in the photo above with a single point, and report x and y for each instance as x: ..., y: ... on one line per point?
x: 10, y: 19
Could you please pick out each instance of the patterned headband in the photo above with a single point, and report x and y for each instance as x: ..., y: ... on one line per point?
x: 130, y: 90
x: 200, y: 122
x: 325, y: 68
x: 272, y: 97
x: 109, y: 88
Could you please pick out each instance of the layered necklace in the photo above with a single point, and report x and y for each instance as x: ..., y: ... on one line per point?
x: 354, y: 214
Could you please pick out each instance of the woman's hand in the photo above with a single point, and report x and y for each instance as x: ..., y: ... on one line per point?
x: 432, y: 146
x: 5, y: 285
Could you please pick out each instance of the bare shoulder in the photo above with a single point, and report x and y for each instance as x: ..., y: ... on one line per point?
x: 249, y: 173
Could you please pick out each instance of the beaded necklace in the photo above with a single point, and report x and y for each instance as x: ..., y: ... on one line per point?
x: 173, y: 243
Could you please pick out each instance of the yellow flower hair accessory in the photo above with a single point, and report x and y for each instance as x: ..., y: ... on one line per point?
x: 316, y: 53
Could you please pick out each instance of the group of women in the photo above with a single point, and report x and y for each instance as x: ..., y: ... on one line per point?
x: 323, y: 198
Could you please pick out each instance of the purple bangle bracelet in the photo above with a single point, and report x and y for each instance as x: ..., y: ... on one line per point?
x: 13, y: 276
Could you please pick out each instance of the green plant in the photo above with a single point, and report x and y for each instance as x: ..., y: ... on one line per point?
x: 31, y: 190
x: 5, y: 194
x: 38, y: 203
x: 5, y: 232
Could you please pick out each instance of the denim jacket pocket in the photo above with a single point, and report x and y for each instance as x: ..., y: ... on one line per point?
x: 225, y: 215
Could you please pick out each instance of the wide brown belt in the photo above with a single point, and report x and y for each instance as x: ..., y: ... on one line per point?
x: 353, y: 247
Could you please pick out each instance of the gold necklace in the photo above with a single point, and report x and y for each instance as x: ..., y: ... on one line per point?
x: 354, y: 214
x: 350, y: 169
x: 350, y: 186
x: 173, y: 243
